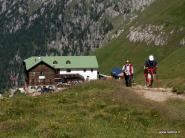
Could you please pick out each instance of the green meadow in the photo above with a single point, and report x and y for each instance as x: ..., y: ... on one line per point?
x: 103, y: 109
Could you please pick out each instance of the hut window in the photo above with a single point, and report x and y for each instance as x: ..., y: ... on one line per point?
x: 41, y: 73
x: 91, y: 70
x: 68, y: 70
x: 68, y: 62
x: 84, y: 70
x: 55, y: 62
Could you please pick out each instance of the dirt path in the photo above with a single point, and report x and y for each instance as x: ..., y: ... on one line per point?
x: 157, y: 94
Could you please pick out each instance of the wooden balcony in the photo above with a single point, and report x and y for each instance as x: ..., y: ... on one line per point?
x: 69, y: 77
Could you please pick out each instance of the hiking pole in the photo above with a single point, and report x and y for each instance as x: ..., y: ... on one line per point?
x: 132, y: 79
x: 157, y: 82
x: 156, y: 78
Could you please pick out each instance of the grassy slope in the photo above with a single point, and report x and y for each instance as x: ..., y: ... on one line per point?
x: 171, y: 57
x: 165, y: 11
x: 98, y: 109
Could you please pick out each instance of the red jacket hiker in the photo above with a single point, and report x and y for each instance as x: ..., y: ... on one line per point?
x: 128, y: 71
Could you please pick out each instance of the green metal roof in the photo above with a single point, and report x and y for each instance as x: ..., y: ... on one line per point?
x: 76, y: 62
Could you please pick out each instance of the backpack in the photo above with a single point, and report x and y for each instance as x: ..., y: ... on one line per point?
x: 151, y: 64
x: 130, y: 69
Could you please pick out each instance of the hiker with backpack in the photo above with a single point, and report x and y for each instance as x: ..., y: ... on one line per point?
x: 150, y: 70
x: 128, y: 71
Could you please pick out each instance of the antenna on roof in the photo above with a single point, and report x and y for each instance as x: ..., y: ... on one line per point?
x: 40, y: 58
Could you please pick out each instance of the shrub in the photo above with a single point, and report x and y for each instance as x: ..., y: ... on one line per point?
x: 178, y: 90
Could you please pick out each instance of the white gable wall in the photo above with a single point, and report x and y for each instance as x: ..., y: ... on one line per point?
x: 92, y: 75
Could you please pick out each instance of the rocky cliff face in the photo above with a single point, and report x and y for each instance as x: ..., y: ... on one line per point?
x: 157, y: 35
x: 58, y: 27
x: 150, y: 34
